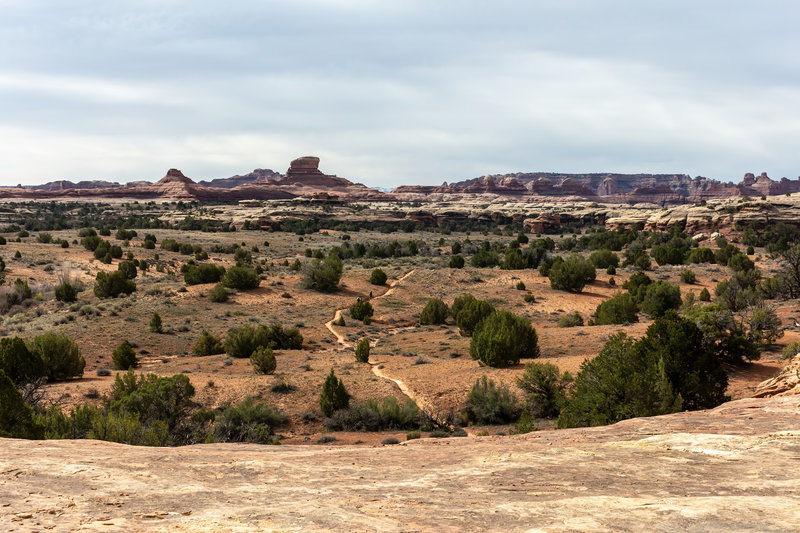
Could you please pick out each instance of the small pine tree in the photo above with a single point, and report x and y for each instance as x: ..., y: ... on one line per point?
x: 378, y: 277
x: 334, y: 396
x: 704, y: 296
x: 218, y: 294
x: 208, y: 344
x: 361, y: 310
x: 457, y: 261
x: 434, y: 312
x: 66, y: 292
x: 155, y: 324
x: 362, y: 351
x: 263, y: 360
x: 124, y: 357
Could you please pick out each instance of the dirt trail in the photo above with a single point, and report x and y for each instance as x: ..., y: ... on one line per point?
x: 423, y: 405
x: 377, y: 367
x: 338, y: 314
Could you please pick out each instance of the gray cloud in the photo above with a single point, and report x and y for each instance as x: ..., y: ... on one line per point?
x: 389, y: 92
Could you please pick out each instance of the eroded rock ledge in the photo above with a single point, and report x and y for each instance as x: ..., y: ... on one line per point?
x: 731, y: 468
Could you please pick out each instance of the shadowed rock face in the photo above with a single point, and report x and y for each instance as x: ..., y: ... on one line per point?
x: 733, y: 468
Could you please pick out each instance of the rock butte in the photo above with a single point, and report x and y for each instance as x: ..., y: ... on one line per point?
x: 733, y: 468
x: 304, y: 179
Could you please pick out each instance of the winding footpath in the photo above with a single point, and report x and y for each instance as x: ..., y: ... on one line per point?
x: 338, y: 314
x: 377, y: 368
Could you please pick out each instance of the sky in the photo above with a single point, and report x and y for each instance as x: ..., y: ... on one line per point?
x: 401, y: 92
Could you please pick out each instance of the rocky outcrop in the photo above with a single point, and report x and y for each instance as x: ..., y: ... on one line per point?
x: 659, y: 189
x: 733, y: 468
x: 258, y: 175
x: 63, y: 185
x: 787, y: 383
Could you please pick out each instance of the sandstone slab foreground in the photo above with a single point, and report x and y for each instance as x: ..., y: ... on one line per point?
x: 734, y: 468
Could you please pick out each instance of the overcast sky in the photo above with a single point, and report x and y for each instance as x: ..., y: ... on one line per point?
x: 407, y: 91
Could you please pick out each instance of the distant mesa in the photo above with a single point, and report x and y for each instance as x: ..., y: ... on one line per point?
x: 174, y: 175
x: 305, y: 180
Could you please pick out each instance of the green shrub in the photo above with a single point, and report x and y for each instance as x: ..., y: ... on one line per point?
x: 378, y: 277
x: 570, y: 320
x: 765, y: 326
x: 324, y: 275
x: 456, y: 261
x: 546, y: 389
x: 20, y: 292
x: 484, y: 259
x: 637, y: 285
x: 218, y: 294
x: 619, y: 309
x: 789, y: 351
x: 375, y: 416
x: 660, y: 297
x: 125, y: 234
x: 666, y: 254
x: 66, y: 292
x: 740, y: 262
x: 572, y: 274
x: 687, y: 276
x: 333, y: 396
x: 16, y: 417
x: 530, y: 298
x: 700, y: 255
x: 520, y: 286
x: 488, y: 403
x: 124, y: 357
x: 470, y: 315
x: 459, y: 303
x: 502, y: 339
x: 158, y: 402
x: 704, y: 296
x: 611, y: 270
x: 362, y: 351
x: 155, y: 324
x: 243, y: 341
x: 412, y: 435
x: 208, y: 344
x: 128, y: 268
x: 525, y: 424
x: 434, y: 312
x: 604, y: 259
x: 205, y: 273
x: 19, y: 364
x: 361, y: 310
x: 113, y: 284
x: 241, y: 277
x: 91, y: 242
x: 248, y: 421
x: 60, y: 355
x: 263, y: 360
x: 669, y: 369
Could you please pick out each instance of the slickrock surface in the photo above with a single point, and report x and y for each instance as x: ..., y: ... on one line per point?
x: 734, y: 468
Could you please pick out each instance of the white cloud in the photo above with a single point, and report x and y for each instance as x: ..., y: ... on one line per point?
x: 390, y: 92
